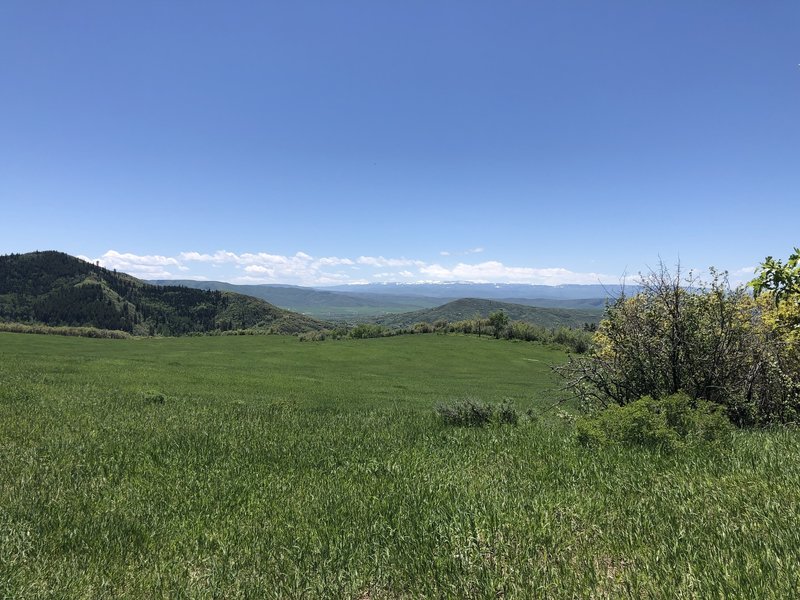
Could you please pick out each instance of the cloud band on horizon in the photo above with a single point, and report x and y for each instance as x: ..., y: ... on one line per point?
x: 304, y: 269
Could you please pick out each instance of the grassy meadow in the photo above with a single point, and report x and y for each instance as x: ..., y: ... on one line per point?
x: 262, y: 467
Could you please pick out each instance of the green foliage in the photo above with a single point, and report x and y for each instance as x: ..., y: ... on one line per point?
x: 469, y: 413
x: 498, y: 321
x: 367, y: 330
x: 474, y: 413
x: 779, y: 278
x: 667, y: 424
x: 707, y: 340
x: 777, y: 286
x: 312, y: 336
x: 574, y: 340
x: 507, y: 413
x: 153, y: 397
x: 91, y: 332
x: 422, y: 327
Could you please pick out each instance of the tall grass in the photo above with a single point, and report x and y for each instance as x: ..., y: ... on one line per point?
x: 269, y: 468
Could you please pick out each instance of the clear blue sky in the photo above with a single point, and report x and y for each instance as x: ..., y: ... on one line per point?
x: 316, y: 142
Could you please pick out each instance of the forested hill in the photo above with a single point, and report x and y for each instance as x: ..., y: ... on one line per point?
x: 58, y: 289
x: 469, y: 308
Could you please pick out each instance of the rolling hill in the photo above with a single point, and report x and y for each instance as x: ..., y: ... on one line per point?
x: 54, y: 288
x: 469, y: 308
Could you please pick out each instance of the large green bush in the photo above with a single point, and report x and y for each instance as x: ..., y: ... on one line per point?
x: 667, y: 424
x: 367, y: 330
x: 707, y: 340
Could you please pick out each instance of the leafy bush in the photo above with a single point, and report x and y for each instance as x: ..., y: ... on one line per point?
x: 574, y: 340
x: 507, y: 414
x: 422, y: 327
x: 312, y: 336
x: 498, y: 321
x: 91, y: 332
x: 667, y: 424
x: 153, y: 397
x: 473, y: 413
x: 441, y: 325
x: 708, y: 340
x: 366, y: 330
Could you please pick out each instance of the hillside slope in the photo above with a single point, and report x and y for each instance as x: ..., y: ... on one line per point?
x: 469, y: 308
x: 58, y: 289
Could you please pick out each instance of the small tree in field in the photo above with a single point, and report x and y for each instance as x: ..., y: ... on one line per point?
x: 498, y: 321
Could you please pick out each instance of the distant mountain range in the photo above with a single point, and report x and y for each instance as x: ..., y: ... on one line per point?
x: 489, y: 291
x: 58, y: 289
x: 364, y: 302
x: 469, y: 308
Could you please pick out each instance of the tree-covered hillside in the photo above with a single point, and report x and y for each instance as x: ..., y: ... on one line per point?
x: 469, y: 308
x: 58, y: 289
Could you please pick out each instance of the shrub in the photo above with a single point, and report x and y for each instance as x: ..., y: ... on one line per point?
x: 312, y: 336
x: 441, y: 325
x: 667, y: 424
x: 473, y: 413
x: 366, y: 330
x: 707, y: 340
x: 153, y: 397
x: 470, y: 413
x: 507, y: 414
x: 422, y: 327
x: 37, y: 328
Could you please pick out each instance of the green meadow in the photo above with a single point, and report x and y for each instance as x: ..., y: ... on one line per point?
x: 263, y: 467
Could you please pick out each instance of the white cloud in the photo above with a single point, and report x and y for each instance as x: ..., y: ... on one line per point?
x: 380, y: 261
x: 257, y: 269
x: 303, y: 269
x: 332, y: 261
x: 114, y: 257
x: 142, y: 266
x: 476, y: 250
x: 218, y: 257
x: 496, y: 272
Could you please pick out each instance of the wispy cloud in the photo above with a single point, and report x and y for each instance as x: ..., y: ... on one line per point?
x: 380, y: 261
x: 476, y: 250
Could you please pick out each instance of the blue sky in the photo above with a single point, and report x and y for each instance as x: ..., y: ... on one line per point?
x: 324, y: 142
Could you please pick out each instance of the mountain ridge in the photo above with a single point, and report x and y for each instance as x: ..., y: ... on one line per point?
x: 54, y: 288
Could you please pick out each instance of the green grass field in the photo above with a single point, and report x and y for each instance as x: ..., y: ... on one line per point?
x: 281, y: 469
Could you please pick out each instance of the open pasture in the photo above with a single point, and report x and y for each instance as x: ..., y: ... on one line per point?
x: 259, y: 466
